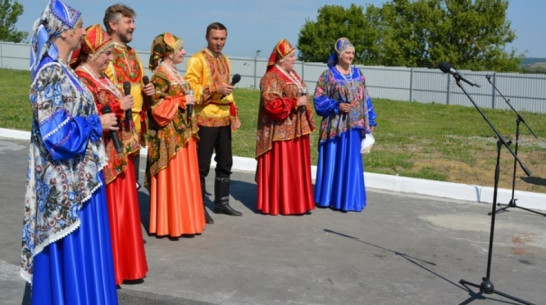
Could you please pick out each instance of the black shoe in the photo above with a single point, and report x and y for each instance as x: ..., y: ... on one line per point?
x: 208, y: 219
x: 224, y: 208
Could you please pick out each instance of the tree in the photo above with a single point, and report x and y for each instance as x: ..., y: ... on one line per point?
x: 470, y: 34
x: 478, y: 36
x: 9, y: 13
x: 316, y: 39
x: 407, y: 30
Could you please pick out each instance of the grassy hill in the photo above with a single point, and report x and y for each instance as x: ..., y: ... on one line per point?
x: 533, y: 65
x: 527, y: 61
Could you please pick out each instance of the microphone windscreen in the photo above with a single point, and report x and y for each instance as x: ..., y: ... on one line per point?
x: 113, y: 134
x: 106, y: 109
x: 445, y: 67
x: 145, y: 79
x: 235, y: 79
x: 127, y: 88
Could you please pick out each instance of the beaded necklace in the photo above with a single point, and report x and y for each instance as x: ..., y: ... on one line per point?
x: 290, y: 76
x: 174, y: 74
x: 348, y: 77
x: 104, y: 82
x: 352, y: 91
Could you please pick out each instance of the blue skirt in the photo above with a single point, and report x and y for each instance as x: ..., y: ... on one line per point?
x: 78, y: 269
x: 339, y: 182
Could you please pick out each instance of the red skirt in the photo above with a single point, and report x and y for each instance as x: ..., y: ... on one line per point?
x: 176, y: 203
x: 284, y: 178
x: 125, y: 227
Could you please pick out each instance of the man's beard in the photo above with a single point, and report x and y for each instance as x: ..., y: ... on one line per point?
x: 125, y: 38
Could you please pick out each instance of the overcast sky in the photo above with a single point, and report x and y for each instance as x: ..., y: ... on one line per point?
x: 259, y: 24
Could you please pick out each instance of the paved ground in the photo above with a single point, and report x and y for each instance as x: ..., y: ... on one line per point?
x: 401, y: 250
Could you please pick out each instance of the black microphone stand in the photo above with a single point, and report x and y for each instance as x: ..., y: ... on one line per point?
x: 512, y: 203
x: 486, y: 285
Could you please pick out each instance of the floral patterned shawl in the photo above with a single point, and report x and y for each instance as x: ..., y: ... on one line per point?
x: 65, y: 159
x: 334, y: 88
x: 170, y: 128
x: 278, y: 116
x: 117, y: 162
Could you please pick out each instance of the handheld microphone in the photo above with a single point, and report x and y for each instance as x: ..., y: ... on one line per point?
x: 448, y: 68
x: 146, y: 81
x: 113, y: 134
x: 234, y: 80
x: 303, y: 92
x: 189, y: 108
x: 127, y: 91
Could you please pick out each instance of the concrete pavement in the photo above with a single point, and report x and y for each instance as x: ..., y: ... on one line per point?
x: 403, y: 249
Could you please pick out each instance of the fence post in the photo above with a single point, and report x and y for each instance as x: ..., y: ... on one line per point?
x: 255, y: 64
x: 493, y: 92
x: 411, y: 85
x: 448, y: 88
x: 303, y: 70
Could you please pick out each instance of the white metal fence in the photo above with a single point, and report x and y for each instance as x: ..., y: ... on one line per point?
x: 526, y: 92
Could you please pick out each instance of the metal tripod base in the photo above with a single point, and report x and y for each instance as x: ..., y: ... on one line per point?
x: 512, y: 204
x: 487, y: 287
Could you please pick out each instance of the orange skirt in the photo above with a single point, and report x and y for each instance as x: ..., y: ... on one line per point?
x: 176, y: 202
x: 125, y: 227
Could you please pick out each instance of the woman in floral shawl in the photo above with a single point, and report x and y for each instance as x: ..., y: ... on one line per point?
x: 283, y: 174
x: 172, y: 173
x: 119, y: 174
x: 66, y: 250
x: 342, y: 99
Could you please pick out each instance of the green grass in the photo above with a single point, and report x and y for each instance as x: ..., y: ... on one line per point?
x: 15, y: 112
x: 429, y: 141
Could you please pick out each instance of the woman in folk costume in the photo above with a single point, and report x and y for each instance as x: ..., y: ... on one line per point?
x: 172, y: 172
x: 123, y: 207
x: 342, y: 99
x: 285, y: 121
x: 66, y: 249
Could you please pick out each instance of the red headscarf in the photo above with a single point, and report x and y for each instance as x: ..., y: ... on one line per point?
x: 282, y: 49
x: 94, y: 43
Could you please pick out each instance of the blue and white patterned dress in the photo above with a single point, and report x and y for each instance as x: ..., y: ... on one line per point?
x: 340, y: 175
x: 66, y: 249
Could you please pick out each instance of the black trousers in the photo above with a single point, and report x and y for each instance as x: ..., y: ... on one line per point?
x: 218, y: 140
x: 136, y: 160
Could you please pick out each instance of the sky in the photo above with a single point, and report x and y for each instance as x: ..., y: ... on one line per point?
x: 259, y: 24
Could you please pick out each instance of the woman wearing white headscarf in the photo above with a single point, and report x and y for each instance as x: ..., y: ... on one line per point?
x: 66, y: 249
x: 341, y: 98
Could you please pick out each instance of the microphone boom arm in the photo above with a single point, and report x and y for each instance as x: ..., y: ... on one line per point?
x: 499, y: 136
x: 507, y: 100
